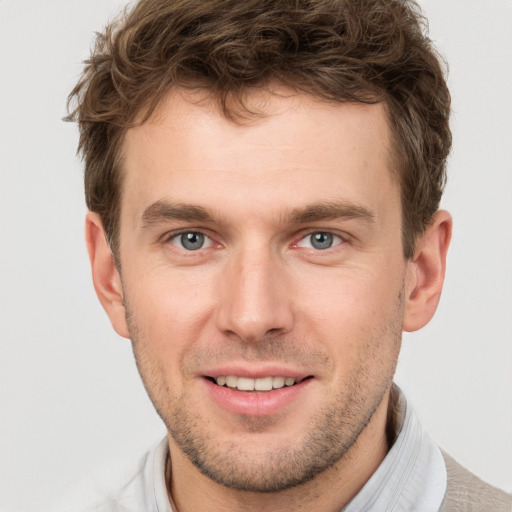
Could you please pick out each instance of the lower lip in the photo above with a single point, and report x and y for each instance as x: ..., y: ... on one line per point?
x: 255, y: 403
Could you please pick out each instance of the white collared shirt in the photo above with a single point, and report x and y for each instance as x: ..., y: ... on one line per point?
x: 411, y: 478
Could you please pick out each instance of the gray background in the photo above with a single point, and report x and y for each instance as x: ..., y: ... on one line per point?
x: 70, y: 395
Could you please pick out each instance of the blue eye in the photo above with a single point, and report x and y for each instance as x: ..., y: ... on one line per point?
x: 321, y: 240
x: 191, y: 241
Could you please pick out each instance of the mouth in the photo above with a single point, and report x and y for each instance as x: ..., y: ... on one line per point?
x: 261, y: 384
x: 260, y: 392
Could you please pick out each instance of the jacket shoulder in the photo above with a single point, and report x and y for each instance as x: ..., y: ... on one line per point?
x: 466, y: 492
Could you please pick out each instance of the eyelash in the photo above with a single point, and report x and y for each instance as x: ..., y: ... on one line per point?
x: 341, y: 239
x: 175, y: 236
x: 338, y: 239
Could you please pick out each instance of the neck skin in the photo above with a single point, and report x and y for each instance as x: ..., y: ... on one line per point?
x: 331, y: 490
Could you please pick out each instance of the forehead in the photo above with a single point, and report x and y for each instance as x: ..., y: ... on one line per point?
x: 297, y: 149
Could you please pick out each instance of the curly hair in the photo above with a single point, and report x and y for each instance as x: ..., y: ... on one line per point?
x: 365, y: 51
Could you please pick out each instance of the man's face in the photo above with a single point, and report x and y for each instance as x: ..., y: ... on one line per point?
x: 263, y: 252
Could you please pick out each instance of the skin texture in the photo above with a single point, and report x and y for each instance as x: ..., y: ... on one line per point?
x: 259, y: 299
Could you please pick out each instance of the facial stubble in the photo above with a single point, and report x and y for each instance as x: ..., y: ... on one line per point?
x: 333, y: 429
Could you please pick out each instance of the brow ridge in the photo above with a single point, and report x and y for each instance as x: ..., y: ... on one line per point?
x: 162, y: 211
x: 330, y: 211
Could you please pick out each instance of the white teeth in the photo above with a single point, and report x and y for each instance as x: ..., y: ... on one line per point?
x: 260, y: 384
x: 277, y: 382
x: 263, y: 384
x: 245, y: 384
x: 231, y: 381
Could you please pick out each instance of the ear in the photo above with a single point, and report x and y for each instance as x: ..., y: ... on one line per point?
x: 426, y: 273
x: 106, y: 278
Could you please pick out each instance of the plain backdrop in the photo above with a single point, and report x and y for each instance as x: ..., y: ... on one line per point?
x: 71, y: 398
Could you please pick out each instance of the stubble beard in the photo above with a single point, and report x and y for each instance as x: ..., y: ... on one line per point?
x: 332, y: 433
x: 333, y: 430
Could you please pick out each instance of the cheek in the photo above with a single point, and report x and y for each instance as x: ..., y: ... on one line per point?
x: 354, y: 296
x: 166, y: 322
x: 355, y: 312
x: 169, y: 309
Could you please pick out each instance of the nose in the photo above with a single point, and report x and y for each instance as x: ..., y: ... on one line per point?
x: 254, y: 298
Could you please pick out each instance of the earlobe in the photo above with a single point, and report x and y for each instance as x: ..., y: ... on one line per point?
x: 105, y: 275
x: 426, y: 273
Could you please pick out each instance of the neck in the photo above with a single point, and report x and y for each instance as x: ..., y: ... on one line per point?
x: 330, y: 490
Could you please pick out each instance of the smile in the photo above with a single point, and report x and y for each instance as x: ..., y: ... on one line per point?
x: 259, y: 384
x: 261, y: 395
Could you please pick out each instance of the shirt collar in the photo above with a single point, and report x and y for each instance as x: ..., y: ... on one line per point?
x: 412, y: 476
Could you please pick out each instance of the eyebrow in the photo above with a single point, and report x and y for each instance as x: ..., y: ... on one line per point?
x: 162, y: 211
x: 330, y: 211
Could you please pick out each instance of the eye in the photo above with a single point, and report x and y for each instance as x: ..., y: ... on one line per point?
x: 191, y: 241
x: 320, y: 240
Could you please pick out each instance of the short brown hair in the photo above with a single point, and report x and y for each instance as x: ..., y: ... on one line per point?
x: 337, y: 50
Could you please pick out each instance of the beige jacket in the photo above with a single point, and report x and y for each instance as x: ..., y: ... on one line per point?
x: 467, y: 493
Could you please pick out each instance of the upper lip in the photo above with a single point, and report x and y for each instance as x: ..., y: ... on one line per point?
x: 255, y: 372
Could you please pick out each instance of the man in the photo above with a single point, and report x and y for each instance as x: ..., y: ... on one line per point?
x: 263, y: 180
